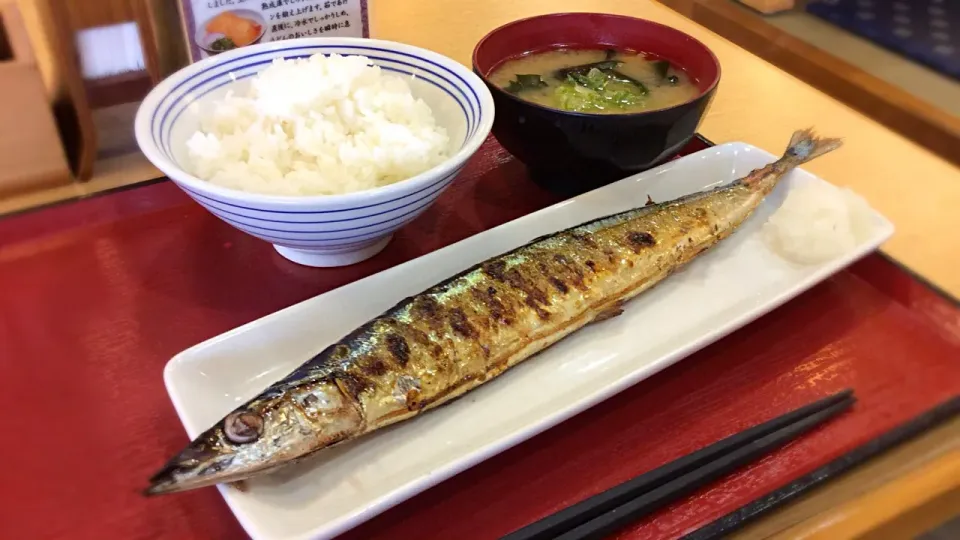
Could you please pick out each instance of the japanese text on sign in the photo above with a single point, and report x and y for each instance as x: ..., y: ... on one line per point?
x: 221, y: 25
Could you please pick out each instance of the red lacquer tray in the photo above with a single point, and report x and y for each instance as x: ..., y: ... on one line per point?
x: 98, y: 294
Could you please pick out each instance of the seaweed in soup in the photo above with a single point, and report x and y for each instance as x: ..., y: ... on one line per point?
x: 602, y: 81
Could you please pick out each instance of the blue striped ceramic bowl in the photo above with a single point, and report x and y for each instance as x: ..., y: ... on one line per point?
x: 332, y: 230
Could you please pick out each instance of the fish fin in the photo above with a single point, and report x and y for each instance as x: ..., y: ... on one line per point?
x: 805, y: 146
x: 240, y: 485
x: 611, y: 312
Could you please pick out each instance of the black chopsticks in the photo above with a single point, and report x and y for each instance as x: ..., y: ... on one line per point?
x: 606, y: 512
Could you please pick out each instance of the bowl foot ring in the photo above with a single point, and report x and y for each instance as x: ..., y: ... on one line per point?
x: 320, y: 258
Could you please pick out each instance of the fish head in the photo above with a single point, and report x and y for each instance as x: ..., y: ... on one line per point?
x: 277, y: 428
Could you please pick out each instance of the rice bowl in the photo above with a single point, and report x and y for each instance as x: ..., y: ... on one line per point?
x: 316, y: 229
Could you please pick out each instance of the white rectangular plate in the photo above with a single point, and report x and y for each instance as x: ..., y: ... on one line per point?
x: 730, y: 286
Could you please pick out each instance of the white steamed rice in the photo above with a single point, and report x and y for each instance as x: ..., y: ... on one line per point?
x: 317, y: 126
x: 818, y: 222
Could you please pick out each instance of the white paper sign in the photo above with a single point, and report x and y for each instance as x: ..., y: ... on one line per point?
x: 213, y: 26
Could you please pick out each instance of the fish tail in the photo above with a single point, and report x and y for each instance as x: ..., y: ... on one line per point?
x: 804, y: 146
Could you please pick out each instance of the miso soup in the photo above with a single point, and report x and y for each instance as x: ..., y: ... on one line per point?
x: 595, y: 81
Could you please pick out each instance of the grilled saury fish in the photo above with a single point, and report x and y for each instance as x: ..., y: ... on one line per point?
x: 455, y: 336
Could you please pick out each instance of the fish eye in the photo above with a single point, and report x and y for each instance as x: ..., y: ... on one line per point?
x: 242, y: 426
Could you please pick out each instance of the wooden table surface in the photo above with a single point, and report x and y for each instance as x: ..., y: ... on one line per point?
x: 756, y: 103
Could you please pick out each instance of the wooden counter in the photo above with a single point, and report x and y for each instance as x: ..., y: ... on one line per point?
x: 756, y: 103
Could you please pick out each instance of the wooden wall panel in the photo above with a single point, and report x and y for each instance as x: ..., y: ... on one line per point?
x: 38, y: 22
x: 90, y: 13
x: 30, y: 147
